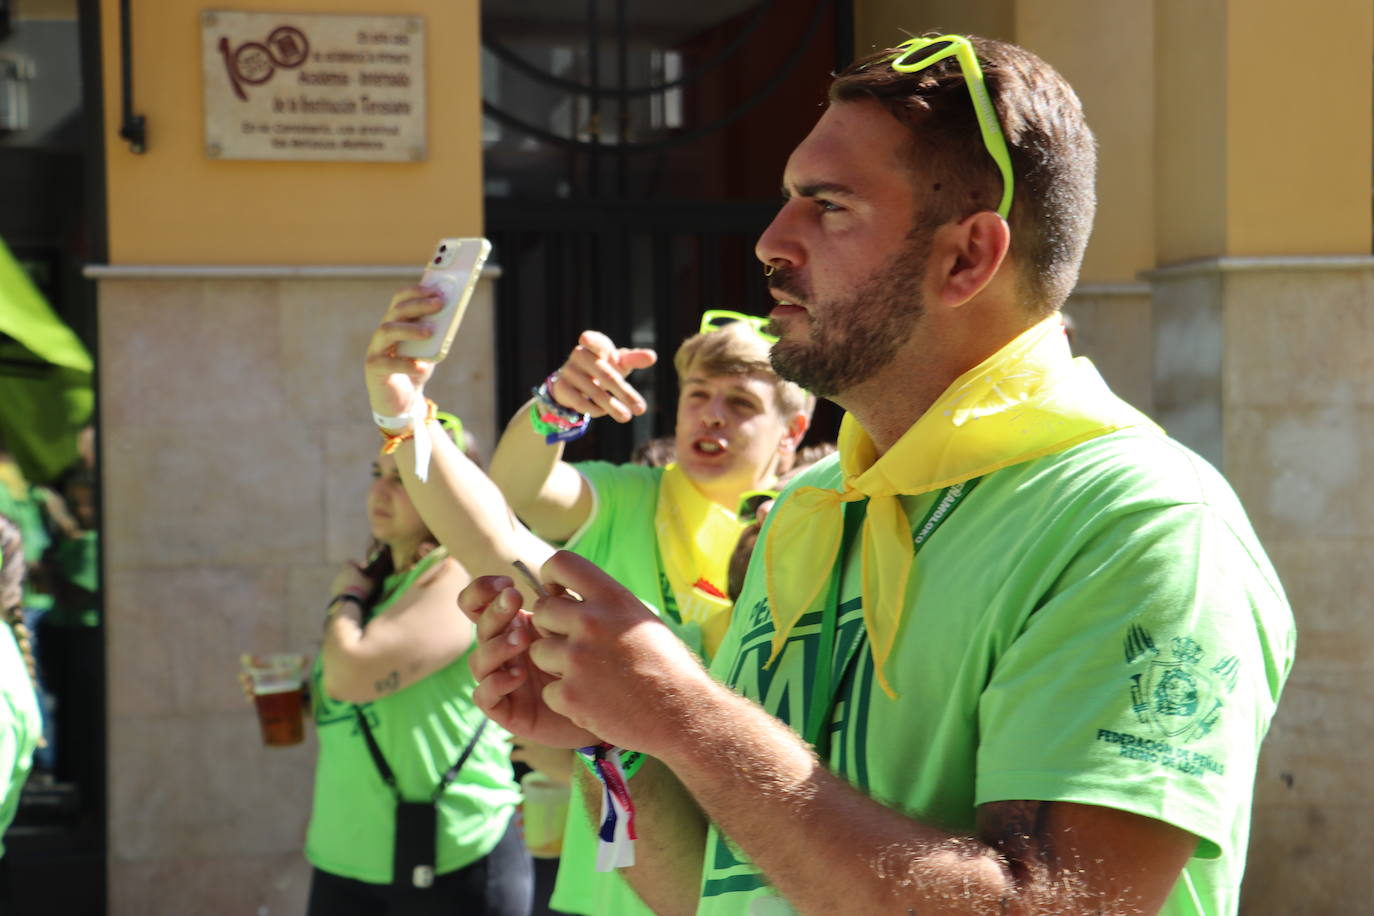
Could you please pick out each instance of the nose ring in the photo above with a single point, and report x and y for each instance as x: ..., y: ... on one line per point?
x: 768, y: 270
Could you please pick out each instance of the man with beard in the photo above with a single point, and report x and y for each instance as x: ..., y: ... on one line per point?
x: 945, y: 687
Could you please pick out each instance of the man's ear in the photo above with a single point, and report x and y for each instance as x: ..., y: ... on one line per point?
x: 797, y: 426
x: 972, y: 251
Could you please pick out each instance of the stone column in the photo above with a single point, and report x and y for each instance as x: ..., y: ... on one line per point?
x: 1263, y: 358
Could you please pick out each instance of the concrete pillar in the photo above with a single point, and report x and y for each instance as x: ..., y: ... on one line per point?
x: 1263, y: 355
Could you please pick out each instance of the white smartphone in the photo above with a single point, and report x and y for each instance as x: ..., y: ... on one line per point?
x: 453, y: 270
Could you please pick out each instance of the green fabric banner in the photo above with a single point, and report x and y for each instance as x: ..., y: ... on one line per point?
x: 45, y: 377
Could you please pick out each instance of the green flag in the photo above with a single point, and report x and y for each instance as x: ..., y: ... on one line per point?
x: 45, y: 377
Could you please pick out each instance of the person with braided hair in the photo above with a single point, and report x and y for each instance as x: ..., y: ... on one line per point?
x: 20, y: 726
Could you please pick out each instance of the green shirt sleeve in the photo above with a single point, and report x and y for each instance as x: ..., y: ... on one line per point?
x: 1140, y: 682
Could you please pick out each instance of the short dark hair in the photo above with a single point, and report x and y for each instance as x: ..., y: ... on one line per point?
x: 1053, y: 153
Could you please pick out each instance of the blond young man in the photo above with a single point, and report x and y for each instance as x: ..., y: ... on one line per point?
x: 1014, y: 651
x: 665, y: 533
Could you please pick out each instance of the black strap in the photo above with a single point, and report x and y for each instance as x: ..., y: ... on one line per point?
x: 389, y: 777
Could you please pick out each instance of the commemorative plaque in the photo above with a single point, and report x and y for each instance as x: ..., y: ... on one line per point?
x: 313, y: 86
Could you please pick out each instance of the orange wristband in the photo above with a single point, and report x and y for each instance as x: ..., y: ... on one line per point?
x: 394, y: 440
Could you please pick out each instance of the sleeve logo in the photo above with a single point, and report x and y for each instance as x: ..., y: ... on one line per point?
x: 1179, y: 696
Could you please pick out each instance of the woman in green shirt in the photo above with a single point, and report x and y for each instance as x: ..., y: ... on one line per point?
x: 19, y: 721
x: 393, y: 665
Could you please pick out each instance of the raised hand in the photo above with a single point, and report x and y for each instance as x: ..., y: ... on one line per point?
x: 592, y: 380
x: 392, y: 380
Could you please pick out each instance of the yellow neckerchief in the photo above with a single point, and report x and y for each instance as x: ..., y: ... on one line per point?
x: 12, y: 479
x: 1027, y: 400
x: 696, y: 538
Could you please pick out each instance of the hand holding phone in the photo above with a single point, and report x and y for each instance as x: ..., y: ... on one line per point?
x: 453, y: 271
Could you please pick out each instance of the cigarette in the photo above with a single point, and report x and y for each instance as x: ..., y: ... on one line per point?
x: 534, y: 583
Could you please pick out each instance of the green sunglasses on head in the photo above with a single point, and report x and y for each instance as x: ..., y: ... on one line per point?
x: 919, y: 53
x: 715, y: 319
x: 454, y: 427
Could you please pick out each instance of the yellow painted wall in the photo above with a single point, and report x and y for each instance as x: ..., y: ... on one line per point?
x: 1190, y: 115
x: 1299, y: 143
x: 173, y: 205
x: 1263, y: 149
x: 46, y: 9
x: 1105, y: 49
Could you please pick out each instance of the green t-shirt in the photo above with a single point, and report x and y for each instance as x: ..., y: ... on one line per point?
x: 22, y: 503
x: 620, y: 537
x: 1099, y: 626
x: 421, y: 731
x: 76, y: 561
x: 19, y: 727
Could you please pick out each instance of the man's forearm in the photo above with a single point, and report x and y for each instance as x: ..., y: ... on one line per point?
x: 826, y: 847
x: 672, y: 836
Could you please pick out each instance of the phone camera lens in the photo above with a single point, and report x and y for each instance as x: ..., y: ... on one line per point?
x: 443, y: 248
x: 437, y: 260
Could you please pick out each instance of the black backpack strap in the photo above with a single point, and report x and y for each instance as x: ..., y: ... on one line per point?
x: 389, y: 777
x: 452, y: 773
x: 383, y: 769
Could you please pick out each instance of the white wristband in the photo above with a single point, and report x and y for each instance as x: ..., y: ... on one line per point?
x: 391, y: 424
x: 414, y: 417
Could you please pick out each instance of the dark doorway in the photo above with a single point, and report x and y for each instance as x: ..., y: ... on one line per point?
x: 52, y: 224
x: 633, y: 154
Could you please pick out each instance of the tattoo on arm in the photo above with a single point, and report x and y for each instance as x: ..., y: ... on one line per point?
x: 1016, y: 829
x: 388, y: 683
x: 1021, y: 833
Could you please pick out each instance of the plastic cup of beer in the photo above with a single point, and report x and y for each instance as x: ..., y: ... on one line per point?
x: 544, y: 812
x: 278, y: 693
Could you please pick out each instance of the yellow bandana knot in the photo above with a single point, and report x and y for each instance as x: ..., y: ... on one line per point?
x: 1027, y: 400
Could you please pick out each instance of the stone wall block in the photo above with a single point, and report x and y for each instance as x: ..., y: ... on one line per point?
x: 1321, y: 746
x: 1114, y: 331
x: 324, y: 327
x: 176, y: 635
x: 1300, y: 338
x: 206, y: 786
x: 1187, y: 359
x: 307, y: 590
x: 184, y: 351
x: 349, y: 452
x: 1300, y: 470
x: 212, y: 493
x: 1327, y: 581
x: 1304, y: 866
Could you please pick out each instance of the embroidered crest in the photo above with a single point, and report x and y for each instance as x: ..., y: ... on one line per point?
x: 1178, y: 695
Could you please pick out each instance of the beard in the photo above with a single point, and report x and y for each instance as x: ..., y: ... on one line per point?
x: 854, y: 338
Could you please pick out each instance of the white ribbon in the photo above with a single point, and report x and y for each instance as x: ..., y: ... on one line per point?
x: 414, y: 417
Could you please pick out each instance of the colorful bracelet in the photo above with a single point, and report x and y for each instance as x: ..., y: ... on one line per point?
x: 615, y: 845
x: 551, y: 419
